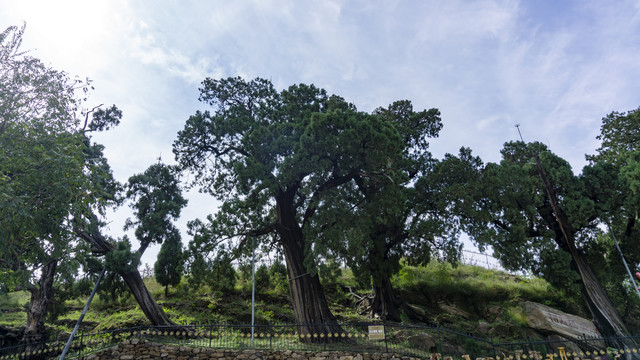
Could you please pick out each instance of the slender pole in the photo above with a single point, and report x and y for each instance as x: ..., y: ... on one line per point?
x: 253, y: 287
x: 623, y: 260
x: 84, y: 311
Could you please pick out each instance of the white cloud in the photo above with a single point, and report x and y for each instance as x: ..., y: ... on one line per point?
x: 146, y: 48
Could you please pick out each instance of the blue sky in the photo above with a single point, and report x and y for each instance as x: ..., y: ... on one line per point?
x: 554, y: 67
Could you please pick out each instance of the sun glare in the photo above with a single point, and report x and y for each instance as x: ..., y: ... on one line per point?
x: 66, y: 32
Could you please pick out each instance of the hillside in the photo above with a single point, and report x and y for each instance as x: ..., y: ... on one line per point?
x: 466, y: 298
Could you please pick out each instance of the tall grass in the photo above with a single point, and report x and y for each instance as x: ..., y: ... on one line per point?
x: 12, y: 308
x: 467, y: 280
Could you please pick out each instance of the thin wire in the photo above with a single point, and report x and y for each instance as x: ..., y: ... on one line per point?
x: 623, y: 260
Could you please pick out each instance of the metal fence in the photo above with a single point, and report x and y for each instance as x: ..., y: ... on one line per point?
x: 407, y: 340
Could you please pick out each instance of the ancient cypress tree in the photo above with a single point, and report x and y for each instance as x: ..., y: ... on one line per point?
x: 271, y: 157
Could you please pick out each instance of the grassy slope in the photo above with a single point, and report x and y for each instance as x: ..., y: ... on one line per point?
x: 476, y: 300
x: 467, y: 298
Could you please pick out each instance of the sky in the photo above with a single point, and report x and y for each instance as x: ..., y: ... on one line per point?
x: 553, y: 67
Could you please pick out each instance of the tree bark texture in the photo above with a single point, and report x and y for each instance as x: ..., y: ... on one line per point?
x: 40, y: 298
x: 310, y: 307
x: 604, y: 314
x: 386, y: 303
x: 147, y: 303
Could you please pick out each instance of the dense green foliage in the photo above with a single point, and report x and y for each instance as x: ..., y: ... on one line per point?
x: 157, y: 202
x: 50, y: 176
x: 374, y: 221
x: 41, y: 162
x: 539, y: 216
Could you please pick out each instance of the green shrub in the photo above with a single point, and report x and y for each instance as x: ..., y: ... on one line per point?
x: 262, y: 277
x: 517, y: 316
x: 122, y: 319
x: 279, y: 278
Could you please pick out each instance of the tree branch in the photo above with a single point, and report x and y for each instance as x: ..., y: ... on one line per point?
x: 253, y: 233
x: 92, y: 235
x: 86, y: 118
x: 330, y: 184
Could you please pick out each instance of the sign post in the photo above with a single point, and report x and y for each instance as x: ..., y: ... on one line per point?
x: 376, y: 332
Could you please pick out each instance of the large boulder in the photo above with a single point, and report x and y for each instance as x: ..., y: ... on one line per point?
x: 550, y: 321
x: 423, y: 341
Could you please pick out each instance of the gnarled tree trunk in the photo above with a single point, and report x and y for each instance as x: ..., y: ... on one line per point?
x: 604, y: 314
x: 40, y: 299
x: 310, y: 308
x: 147, y: 303
x: 386, y: 303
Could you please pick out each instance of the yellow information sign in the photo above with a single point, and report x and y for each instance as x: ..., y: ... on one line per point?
x: 376, y: 332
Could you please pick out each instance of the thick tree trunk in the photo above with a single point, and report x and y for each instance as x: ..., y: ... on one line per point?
x: 309, y: 304
x: 147, y: 303
x: 310, y: 307
x: 386, y: 303
x: 40, y: 299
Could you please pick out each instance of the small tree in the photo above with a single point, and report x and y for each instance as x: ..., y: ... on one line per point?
x: 222, y: 274
x: 279, y: 280
x: 169, y: 266
x: 262, y: 277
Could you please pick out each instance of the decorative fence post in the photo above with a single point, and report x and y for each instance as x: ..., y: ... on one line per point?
x: 324, y: 338
x: 493, y: 346
x: 210, y: 334
x: 384, y: 332
x: 439, y: 339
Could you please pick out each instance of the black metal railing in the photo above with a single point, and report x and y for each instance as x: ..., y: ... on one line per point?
x: 407, y: 340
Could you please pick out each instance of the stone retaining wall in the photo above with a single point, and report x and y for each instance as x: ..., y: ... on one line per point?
x: 143, y: 349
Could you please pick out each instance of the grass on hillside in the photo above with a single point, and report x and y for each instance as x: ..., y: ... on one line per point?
x: 13, y: 308
x: 458, y: 297
x: 465, y: 283
x: 465, y: 296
